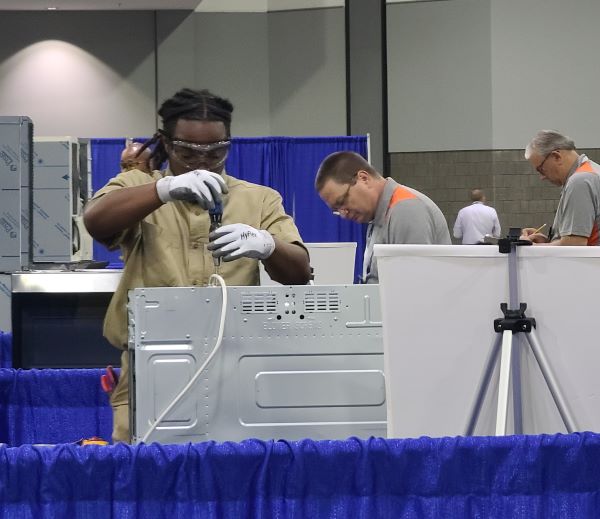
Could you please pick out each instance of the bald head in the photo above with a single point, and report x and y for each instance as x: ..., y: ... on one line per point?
x: 477, y: 195
x: 134, y: 157
x: 342, y: 167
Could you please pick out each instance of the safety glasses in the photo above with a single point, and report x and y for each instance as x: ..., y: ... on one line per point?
x: 206, y: 156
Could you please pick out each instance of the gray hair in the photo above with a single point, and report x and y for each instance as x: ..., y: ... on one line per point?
x: 546, y: 141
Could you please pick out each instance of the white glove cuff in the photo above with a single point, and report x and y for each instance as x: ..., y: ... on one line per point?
x: 269, y: 245
x: 162, y: 189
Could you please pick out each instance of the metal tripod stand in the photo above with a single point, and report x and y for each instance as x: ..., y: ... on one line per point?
x: 514, y: 322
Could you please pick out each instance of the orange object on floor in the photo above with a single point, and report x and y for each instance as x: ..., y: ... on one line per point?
x: 94, y: 440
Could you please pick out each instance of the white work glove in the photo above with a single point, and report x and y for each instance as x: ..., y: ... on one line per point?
x: 238, y: 240
x: 199, y: 186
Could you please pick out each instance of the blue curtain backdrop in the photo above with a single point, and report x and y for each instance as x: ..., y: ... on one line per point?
x: 287, y: 164
x: 106, y: 156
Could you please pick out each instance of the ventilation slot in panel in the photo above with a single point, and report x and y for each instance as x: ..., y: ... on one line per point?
x: 322, y: 302
x: 259, y: 303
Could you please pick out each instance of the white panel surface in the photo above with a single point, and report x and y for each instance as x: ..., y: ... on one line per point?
x: 333, y: 264
x: 438, y: 308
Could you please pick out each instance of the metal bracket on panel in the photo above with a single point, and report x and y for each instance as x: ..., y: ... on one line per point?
x: 366, y: 323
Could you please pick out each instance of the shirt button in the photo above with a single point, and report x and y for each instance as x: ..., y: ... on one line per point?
x: 195, y: 245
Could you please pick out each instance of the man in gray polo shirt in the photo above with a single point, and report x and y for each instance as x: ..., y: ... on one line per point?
x: 353, y: 189
x: 577, y: 219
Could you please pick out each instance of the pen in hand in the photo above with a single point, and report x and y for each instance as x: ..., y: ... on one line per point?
x: 539, y: 229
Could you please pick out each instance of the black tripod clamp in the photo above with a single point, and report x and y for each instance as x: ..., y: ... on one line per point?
x: 506, y: 245
x: 514, y: 320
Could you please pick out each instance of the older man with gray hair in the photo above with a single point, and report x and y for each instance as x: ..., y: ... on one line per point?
x: 577, y: 218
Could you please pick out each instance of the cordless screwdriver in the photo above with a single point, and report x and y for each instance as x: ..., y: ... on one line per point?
x: 216, y: 216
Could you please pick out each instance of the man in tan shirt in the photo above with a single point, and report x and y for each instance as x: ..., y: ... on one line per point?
x: 161, y: 223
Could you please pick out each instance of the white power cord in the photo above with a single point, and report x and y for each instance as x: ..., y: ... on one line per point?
x: 220, y: 281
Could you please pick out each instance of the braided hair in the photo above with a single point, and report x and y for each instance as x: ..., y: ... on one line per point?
x: 195, y: 105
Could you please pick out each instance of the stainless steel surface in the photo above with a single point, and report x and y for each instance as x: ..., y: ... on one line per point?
x: 61, y: 180
x: 15, y: 192
x: 59, y: 281
x: 5, y: 309
x: 291, y: 364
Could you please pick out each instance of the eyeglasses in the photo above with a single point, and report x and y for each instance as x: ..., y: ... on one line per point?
x: 193, y: 155
x: 539, y: 168
x: 338, y: 205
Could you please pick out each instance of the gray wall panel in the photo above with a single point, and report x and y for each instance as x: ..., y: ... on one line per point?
x: 487, y: 74
x: 307, y: 72
x: 176, y: 53
x: 224, y: 52
x: 89, y: 74
x: 462, y: 74
x: 545, y: 70
x: 439, y: 75
x: 366, y: 76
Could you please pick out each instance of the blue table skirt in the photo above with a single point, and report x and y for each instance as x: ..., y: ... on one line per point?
x: 515, y: 476
x: 52, y: 406
x: 5, y: 349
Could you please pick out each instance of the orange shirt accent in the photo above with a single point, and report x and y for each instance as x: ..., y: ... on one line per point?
x: 400, y: 193
x: 586, y: 167
x: 593, y: 239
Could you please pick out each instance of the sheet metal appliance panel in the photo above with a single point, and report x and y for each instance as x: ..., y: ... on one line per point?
x: 5, y: 312
x: 58, y: 196
x: 296, y: 362
x: 16, y: 136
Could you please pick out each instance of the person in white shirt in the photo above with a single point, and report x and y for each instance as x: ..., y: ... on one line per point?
x: 476, y: 220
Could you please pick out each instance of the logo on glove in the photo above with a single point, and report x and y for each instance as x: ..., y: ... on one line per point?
x: 248, y: 234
